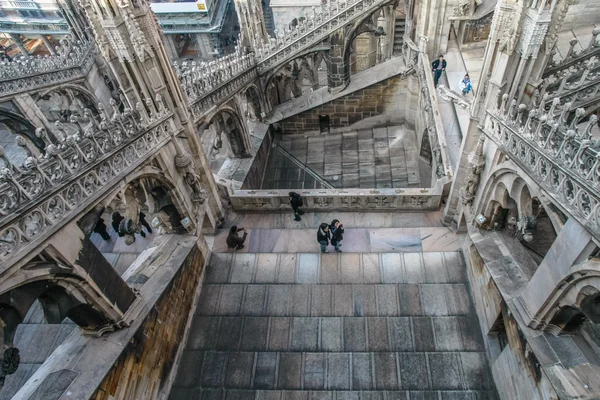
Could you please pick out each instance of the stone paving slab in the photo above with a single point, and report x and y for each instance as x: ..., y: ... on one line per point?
x: 285, y: 220
x: 334, y: 334
x: 384, y: 326
x: 336, y: 371
x: 358, y: 240
x: 212, y: 394
x: 336, y: 268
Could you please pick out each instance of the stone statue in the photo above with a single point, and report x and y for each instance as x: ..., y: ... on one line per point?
x: 198, y: 194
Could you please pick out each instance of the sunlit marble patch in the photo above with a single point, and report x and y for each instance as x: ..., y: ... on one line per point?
x: 395, y: 239
x: 439, y: 239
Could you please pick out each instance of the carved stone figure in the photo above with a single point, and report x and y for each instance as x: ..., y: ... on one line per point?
x: 198, y: 194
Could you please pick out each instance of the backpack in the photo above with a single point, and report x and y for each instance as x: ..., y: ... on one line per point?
x: 300, y: 202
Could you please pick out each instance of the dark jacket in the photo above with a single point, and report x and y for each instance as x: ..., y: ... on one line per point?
x: 436, y: 63
x: 337, y: 236
x: 116, y: 220
x: 323, y: 236
x: 295, y: 201
x: 234, y: 240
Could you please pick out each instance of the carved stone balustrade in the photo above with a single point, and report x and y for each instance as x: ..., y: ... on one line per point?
x: 45, y: 193
x: 217, y: 94
x: 435, y: 129
x: 563, y: 159
x: 317, y: 26
x: 71, y: 61
x: 342, y: 199
x: 410, y: 52
x: 575, y: 79
x: 574, y: 57
x: 200, y: 79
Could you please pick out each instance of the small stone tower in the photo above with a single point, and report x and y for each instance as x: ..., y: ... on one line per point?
x: 252, y: 23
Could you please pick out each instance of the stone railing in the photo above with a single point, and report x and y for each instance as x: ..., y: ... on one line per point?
x: 317, y: 26
x: 44, y: 193
x: 72, y: 61
x: 573, y: 57
x: 575, y: 78
x: 225, y: 84
x: 556, y: 154
x: 342, y: 199
x: 200, y: 79
x: 433, y: 120
x: 410, y: 52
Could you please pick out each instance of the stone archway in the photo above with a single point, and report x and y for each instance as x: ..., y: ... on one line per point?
x: 145, y: 203
x: 13, y: 125
x: 296, y: 77
x: 252, y: 101
x: 227, y: 124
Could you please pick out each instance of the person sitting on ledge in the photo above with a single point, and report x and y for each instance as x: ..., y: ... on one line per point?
x: 465, y: 85
x: 234, y: 240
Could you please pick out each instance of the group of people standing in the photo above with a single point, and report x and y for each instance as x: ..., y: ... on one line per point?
x: 439, y: 66
x: 333, y: 233
x: 327, y: 234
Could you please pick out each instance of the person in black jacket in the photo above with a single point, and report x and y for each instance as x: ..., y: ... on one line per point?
x: 100, y: 229
x: 144, y: 223
x: 296, y: 202
x: 337, y: 235
x: 116, y: 220
x: 438, y: 66
x: 234, y: 240
x: 323, y: 236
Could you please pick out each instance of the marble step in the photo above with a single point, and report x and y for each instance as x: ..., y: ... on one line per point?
x: 212, y: 394
x: 457, y: 371
x: 335, y: 334
x: 356, y: 240
x: 335, y: 268
x: 285, y: 219
x: 250, y: 300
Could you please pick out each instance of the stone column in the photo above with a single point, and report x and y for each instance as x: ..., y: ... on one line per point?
x: 338, y: 72
x: 48, y: 44
x: 204, y: 45
x: 17, y: 39
x: 170, y: 47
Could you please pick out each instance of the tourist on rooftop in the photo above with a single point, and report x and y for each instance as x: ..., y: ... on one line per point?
x: 234, y: 240
x: 438, y: 67
x: 323, y: 236
x: 296, y: 202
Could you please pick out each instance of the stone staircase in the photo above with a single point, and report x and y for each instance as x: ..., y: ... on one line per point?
x: 298, y: 324
x: 399, y: 29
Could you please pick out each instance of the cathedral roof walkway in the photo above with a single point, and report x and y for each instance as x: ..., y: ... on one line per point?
x: 389, y: 318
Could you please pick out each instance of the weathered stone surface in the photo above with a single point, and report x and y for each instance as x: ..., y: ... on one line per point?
x: 338, y: 371
x: 334, y: 340
x: 239, y: 370
x: 290, y: 371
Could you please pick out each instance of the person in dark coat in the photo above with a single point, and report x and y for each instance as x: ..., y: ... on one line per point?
x: 116, y: 221
x: 100, y: 229
x: 323, y: 236
x: 337, y: 235
x: 438, y: 67
x: 144, y: 223
x: 234, y: 240
x: 296, y: 202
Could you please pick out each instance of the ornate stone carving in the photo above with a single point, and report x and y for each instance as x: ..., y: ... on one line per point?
x: 73, y: 60
x: 556, y: 154
x: 476, y: 166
